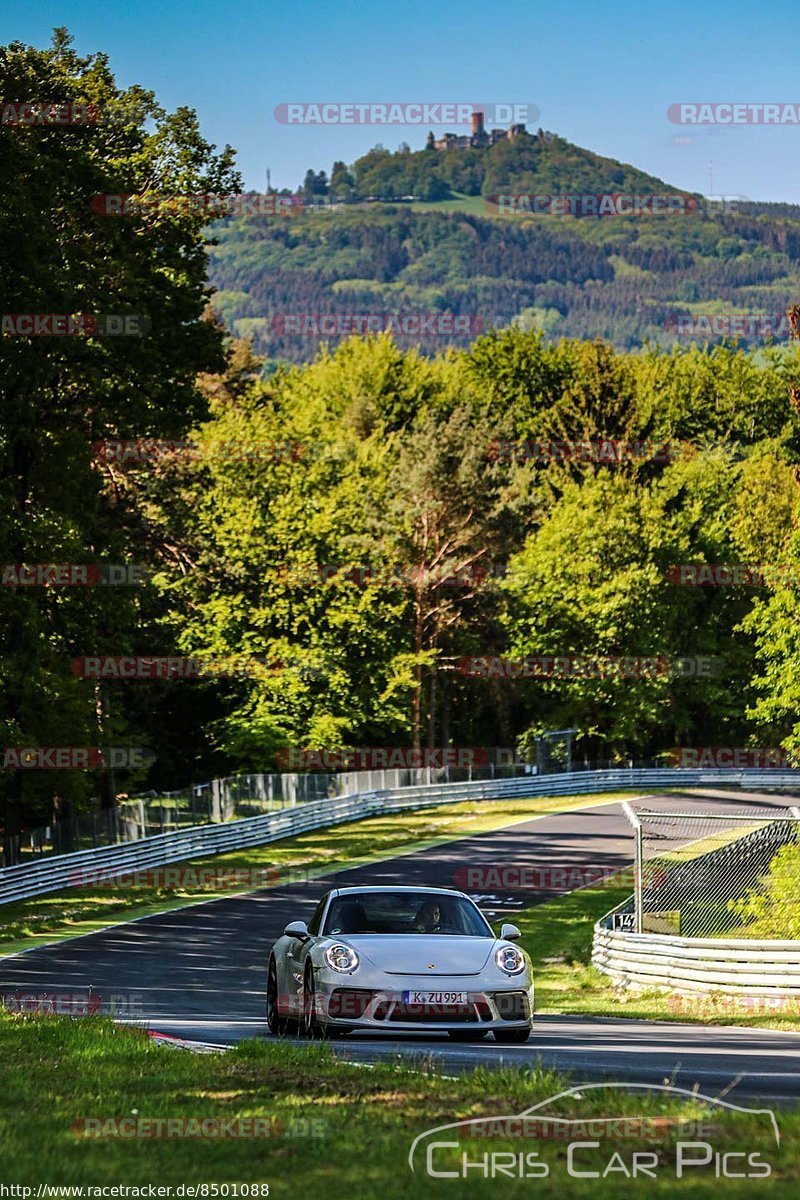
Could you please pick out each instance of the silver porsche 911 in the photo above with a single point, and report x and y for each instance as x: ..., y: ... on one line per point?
x: 399, y: 958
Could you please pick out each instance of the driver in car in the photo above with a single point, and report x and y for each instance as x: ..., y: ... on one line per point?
x: 429, y: 917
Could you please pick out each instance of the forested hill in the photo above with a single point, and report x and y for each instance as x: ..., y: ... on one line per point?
x: 703, y: 270
x: 541, y: 162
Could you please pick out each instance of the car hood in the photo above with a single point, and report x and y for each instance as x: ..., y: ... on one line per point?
x: 423, y: 954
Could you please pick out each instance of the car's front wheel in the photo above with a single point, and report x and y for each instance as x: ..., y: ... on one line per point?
x: 312, y: 1026
x: 512, y: 1037
x: 277, y: 1025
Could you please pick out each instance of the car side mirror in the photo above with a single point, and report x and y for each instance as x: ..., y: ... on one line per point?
x: 297, y: 929
x: 510, y: 933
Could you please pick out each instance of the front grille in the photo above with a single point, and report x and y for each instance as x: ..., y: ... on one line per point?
x: 512, y: 1006
x: 433, y: 1012
x: 349, y: 1002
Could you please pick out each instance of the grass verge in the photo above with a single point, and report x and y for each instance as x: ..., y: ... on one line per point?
x: 60, y: 1073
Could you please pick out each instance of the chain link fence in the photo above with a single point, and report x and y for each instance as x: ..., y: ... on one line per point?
x: 230, y: 799
x: 708, y: 875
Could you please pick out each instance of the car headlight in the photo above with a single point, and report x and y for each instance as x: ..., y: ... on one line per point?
x: 510, y: 960
x: 341, y: 958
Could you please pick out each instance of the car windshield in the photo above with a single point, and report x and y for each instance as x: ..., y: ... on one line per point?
x: 405, y: 912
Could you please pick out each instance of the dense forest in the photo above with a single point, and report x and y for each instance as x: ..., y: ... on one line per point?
x: 359, y: 531
x: 708, y: 275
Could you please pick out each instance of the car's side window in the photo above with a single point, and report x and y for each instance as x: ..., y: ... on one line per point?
x: 314, y: 923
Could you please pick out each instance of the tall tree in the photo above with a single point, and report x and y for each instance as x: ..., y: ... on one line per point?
x: 59, y: 255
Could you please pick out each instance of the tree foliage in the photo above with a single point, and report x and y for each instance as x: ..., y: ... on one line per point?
x: 358, y: 526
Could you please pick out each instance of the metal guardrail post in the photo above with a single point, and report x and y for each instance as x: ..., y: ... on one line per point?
x: 637, y: 870
x: 216, y: 807
x: 637, y: 882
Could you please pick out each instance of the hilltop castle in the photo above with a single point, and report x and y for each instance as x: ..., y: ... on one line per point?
x: 478, y: 137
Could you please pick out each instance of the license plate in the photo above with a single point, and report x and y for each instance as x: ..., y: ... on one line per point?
x: 434, y: 998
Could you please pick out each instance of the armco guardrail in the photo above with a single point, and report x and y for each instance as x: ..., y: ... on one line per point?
x: 698, y: 965
x: 53, y: 873
x: 75, y: 870
x: 72, y: 870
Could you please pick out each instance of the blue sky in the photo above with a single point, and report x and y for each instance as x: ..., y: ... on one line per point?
x: 601, y: 75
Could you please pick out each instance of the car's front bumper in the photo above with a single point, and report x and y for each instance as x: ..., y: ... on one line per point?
x: 487, y: 1008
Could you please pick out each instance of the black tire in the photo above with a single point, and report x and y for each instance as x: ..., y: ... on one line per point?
x: 311, y: 1026
x: 277, y: 1025
x: 467, y: 1035
x: 512, y: 1037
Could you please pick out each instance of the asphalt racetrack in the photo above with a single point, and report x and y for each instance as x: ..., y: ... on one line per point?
x: 199, y: 973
